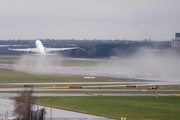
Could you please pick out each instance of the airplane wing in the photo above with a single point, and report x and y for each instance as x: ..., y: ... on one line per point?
x: 59, y: 49
x: 26, y: 49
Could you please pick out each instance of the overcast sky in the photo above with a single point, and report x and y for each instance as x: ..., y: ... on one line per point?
x: 89, y: 19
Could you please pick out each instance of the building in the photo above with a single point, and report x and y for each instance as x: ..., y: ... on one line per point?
x: 176, y: 42
x: 177, y: 35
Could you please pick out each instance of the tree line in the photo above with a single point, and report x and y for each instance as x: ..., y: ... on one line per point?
x: 92, y: 49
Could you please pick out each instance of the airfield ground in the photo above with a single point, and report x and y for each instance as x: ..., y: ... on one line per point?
x: 135, y: 107
x: 20, y: 77
x: 10, y: 76
x: 131, y: 107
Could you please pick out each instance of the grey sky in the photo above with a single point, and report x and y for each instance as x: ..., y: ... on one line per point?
x: 89, y: 19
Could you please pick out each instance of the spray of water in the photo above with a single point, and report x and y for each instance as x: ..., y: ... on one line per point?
x: 147, y: 64
x: 37, y: 64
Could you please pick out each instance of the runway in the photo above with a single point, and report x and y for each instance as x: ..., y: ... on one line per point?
x: 156, y: 79
x: 100, y: 90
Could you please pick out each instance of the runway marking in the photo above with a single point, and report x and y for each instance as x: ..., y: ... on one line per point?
x: 4, y: 105
x: 175, y: 94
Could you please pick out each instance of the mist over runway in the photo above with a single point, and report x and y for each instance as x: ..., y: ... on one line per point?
x: 157, y: 71
x: 89, y: 71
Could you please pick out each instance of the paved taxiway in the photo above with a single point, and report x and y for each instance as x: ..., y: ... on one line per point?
x: 55, y: 89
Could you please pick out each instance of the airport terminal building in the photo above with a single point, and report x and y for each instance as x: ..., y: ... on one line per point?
x: 176, y: 42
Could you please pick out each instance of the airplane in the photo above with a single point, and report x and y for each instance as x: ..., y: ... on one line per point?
x: 43, y: 50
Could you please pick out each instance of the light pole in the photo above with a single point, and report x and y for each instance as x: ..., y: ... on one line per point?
x: 37, y: 107
x: 51, y: 108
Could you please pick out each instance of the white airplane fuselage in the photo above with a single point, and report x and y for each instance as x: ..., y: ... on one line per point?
x: 43, y: 50
x: 40, y: 47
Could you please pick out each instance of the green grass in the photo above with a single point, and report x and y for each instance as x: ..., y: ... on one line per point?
x: 9, y: 57
x: 164, y: 108
x: 7, y: 76
x: 103, y: 92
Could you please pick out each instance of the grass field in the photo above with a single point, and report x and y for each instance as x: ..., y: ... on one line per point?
x: 9, y: 57
x: 162, y: 93
x: 7, y: 76
x: 133, y: 108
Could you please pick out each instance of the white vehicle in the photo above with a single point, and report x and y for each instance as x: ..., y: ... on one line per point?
x: 41, y: 50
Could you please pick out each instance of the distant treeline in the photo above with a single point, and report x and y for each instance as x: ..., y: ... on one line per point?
x: 92, y: 49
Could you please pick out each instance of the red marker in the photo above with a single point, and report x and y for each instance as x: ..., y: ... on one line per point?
x: 155, y: 87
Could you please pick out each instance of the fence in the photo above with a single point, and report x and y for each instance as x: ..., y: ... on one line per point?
x: 79, y: 119
x: 33, y: 116
x: 7, y: 116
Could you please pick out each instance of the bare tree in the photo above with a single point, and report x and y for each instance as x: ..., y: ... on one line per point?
x: 24, y: 104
